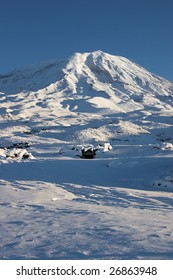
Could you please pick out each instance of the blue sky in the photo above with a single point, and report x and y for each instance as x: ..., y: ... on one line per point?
x: 32, y: 31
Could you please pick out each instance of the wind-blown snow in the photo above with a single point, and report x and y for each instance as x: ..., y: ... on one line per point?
x: 55, y: 204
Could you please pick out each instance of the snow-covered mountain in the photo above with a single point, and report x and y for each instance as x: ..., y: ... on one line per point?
x: 84, y: 84
x: 48, y: 113
x: 84, y: 88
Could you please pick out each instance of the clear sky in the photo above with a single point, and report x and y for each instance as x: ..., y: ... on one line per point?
x: 32, y: 31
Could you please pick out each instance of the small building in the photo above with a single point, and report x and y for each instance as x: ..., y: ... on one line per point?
x: 88, y: 153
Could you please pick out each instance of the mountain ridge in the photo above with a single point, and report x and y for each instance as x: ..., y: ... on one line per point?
x: 95, y: 59
x: 85, y: 88
x: 96, y: 69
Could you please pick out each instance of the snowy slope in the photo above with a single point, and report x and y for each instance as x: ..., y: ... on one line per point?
x: 117, y: 205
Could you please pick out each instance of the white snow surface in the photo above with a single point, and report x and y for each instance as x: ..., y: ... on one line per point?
x: 56, y: 205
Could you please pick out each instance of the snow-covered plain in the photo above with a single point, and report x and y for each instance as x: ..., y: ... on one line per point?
x: 54, y: 204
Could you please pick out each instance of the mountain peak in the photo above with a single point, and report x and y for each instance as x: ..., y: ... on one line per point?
x: 89, y: 82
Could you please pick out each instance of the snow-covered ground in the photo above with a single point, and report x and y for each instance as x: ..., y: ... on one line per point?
x: 54, y: 204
